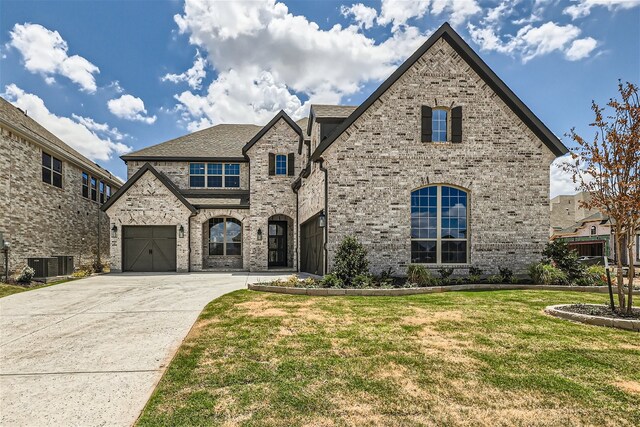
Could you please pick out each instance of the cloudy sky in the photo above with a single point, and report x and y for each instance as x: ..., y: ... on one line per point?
x: 112, y: 76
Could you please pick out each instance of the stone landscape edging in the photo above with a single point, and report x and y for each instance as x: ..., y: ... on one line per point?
x: 425, y: 290
x: 557, y: 311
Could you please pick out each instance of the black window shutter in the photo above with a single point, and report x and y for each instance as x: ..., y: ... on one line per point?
x: 291, y: 166
x: 426, y: 123
x: 456, y: 124
x: 272, y: 164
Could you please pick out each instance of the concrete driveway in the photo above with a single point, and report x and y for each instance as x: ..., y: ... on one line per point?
x: 90, y: 352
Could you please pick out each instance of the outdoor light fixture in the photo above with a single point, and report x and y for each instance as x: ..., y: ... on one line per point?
x: 114, y: 231
x: 259, y: 233
x: 322, y: 220
x: 181, y: 231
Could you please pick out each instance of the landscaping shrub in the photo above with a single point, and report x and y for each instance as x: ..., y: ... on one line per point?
x: 350, y: 260
x: 547, y: 274
x: 331, y: 281
x: 79, y: 274
x: 419, y: 275
x: 595, y: 275
x: 25, y: 276
x: 558, y: 254
x: 475, y: 271
x: 495, y: 279
x: 506, y: 274
x: 445, y: 273
x: 362, y: 281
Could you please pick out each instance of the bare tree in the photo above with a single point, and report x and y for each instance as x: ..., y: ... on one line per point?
x: 608, y: 167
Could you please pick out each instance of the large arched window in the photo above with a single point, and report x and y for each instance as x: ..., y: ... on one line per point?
x: 439, y: 225
x: 225, y: 236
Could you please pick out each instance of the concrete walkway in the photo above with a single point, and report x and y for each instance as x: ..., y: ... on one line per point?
x: 90, y: 352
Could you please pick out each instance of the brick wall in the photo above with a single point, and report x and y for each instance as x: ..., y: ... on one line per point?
x: 374, y: 166
x: 40, y: 220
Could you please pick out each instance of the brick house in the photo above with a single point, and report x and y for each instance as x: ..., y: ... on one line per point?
x: 442, y: 165
x: 50, y: 195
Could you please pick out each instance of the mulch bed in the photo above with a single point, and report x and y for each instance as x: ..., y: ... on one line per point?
x: 601, y: 310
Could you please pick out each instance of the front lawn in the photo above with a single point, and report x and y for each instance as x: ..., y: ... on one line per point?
x: 467, y: 358
x: 6, y: 290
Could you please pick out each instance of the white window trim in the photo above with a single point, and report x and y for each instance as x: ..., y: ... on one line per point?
x: 206, y: 174
x: 438, y: 238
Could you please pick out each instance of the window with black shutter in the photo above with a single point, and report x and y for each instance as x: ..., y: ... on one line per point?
x: 456, y: 124
x: 272, y: 164
x: 291, y: 166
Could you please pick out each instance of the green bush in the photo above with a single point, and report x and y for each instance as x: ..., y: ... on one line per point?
x: 445, y: 273
x: 495, y: 279
x: 362, y: 281
x: 475, y: 271
x: 331, y: 281
x: 419, y: 275
x: 595, y: 275
x: 350, y: 260
x: 558, y: 254
x: 547, y: 274
x: 506, y: 274
x: 26, y: 275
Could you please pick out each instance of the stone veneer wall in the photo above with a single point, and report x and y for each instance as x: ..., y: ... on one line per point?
x: 40, y: 220
x: 374, y: 166
x: 178, y: 172
x: 271, y: 195
x: 149, y: 202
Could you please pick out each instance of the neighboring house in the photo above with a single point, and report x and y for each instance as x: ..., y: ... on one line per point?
x: 50, y: 195
x: 592, y: 236
x: 566, y: 210
x: 442, y: 165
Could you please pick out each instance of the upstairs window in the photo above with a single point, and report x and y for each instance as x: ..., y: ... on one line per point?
x: 102, y: 192
x: 94, y: 189
x: 51, y: 170
x: 85, y: 185
x: 281, y: 164
x: 214, y: 175
x: 441, y: 124
x: 593, y: 230
x: 108, y: 192
x: 439, y: 225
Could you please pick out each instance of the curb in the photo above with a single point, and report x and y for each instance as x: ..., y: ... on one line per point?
x: 418, y: 291
x: 627, y: 324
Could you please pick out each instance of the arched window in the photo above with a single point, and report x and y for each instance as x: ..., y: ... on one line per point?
x: 439, y: 225
x: 439, y: 125
x: 225, y: 236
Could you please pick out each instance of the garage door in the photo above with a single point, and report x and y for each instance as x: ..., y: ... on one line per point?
x: 149, y: 248
x: 311, y: 248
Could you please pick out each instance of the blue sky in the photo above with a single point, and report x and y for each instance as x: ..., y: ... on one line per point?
x: 113, y: 76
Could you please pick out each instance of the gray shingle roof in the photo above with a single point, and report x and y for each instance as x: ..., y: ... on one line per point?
x: 16, y: 118
x: 303, y: 124
x: 332, y: 111
x: 220, y: 141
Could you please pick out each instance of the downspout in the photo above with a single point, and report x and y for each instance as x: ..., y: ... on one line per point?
x: 326, y: 213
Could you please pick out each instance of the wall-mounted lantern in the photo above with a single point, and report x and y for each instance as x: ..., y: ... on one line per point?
x: 114, y: 231
x: 322, y: 220
x: 181, y: 231
x: 259, y: 233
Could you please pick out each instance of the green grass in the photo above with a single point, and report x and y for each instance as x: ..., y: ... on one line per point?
x: 6, y: 290
x: 460, y: 358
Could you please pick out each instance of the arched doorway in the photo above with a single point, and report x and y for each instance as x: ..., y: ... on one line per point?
x: 280, y: 251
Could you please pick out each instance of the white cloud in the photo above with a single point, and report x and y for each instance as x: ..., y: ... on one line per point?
x: 72, y: 132
x: 581, y: 48
x: 561, y: 181
x: 130, y: 108
x: 530, y: 42
x: 399, y: 12
x: 100, y: 128
x: 583, y: 8
x: 364, y: 16
x: 193, y: 76
x: 268, y: 58
x: 45, y: 52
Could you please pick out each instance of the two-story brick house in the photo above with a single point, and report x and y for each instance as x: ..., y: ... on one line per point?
x: 50, y: 195
x: 442, y: 165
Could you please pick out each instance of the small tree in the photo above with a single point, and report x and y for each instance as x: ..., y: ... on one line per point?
x: 350, y: 260
x: 558, y: 253
x: 608, y: 168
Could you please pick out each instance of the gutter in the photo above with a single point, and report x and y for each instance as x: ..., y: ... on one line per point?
x: 326, y: 213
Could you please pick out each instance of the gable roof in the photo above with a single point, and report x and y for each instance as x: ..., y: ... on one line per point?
x: 323, y: 111
x: 165, y: 181
x: 480, y: 67
x: 13, y: 117
x: 224, y: 141
x: 265, y: 129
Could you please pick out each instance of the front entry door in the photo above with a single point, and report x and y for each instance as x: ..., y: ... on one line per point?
x: 277, y: 244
